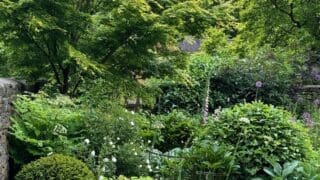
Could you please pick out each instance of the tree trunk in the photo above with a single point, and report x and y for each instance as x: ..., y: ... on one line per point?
x: 8, y: 89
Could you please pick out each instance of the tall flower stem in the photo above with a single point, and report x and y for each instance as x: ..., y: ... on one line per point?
x: 258, y: 86
x: 205, y: 107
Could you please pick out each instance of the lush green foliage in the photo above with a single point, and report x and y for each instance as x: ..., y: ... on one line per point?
x: 296, y: 28
x: 70, y: 42
x: 308, y: 170
x: 56, y: 166
x: 174, y: 62
x: 294, y: 170
x: 44, y: 36
x: 236, y: 82
x: 306, y: 109
x: 279, y: 172
x: 175, y: 130
x: 44, y: 125
x: 203, y: 157
x: 115, y: 137
x: 231, y: 81
x: 260, y: 134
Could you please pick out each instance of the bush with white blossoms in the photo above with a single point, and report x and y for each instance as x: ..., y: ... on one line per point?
x: 113, y: 144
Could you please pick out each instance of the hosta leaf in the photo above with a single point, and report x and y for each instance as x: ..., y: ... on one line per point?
x: 288, y: 168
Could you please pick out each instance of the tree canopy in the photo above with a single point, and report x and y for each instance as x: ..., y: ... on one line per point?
x: 72, y: 42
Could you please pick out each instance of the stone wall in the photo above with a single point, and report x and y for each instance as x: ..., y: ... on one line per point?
x: 8, y: 90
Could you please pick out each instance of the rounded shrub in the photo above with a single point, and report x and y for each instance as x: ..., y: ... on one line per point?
x: 58, y: 167
x: 260, y: 134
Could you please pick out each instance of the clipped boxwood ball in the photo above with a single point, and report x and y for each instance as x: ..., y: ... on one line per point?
x: 55, y: 167
x: 260, y: 134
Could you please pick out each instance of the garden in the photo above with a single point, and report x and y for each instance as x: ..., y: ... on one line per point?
x: 161, y: 89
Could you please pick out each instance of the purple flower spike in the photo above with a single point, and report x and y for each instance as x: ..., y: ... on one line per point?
x: 307, y: 119
x: 316, y: 102
x: 258, y: 84
x: 317, y: 77
x: 306, y: 115
x: 309, y: 123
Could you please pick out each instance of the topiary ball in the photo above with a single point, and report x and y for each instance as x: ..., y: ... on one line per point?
x: 260, y: 134
x: 57, y: 167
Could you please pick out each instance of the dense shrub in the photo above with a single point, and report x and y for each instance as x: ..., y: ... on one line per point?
x: 309, y: 169
x: 108, y: 139
x: 175, y: 130
x: 205, y: 158
x: 260, y: 134
x: 187, y: 95
x: 232, y: 80
x: 42, y: 125
x: 236, y: 82
x: 112, y: 143
x: 57, y: 167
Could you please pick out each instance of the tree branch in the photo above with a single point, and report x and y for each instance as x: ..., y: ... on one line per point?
x: 53, y: 67
x: 122, y: 41
x: 290, y: 14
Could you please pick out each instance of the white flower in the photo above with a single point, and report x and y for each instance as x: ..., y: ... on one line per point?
x: 113, y: 159
x: 157, y: 167
x: 149, y: 166
x: 111, y: 143
x: 132, y: 112
x: 86, y: 141
x: 140, y: 166
x: 113, y: 146
x: 132, y: 123
x: 147, y: 161
x: 105, y: 160
x: 104, y: 138
x: 118, y: 138
x: 93, y: 153
x: 135, y: 153
x: 149, y: 141
x: 50, y: 153
x: 101, y: 177
x: 245, y: 120
x: 103, y: 169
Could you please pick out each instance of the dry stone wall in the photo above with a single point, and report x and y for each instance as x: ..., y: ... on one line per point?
x: 8, y: 90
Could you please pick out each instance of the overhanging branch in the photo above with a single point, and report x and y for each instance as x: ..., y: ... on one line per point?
x: 289, y: 13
